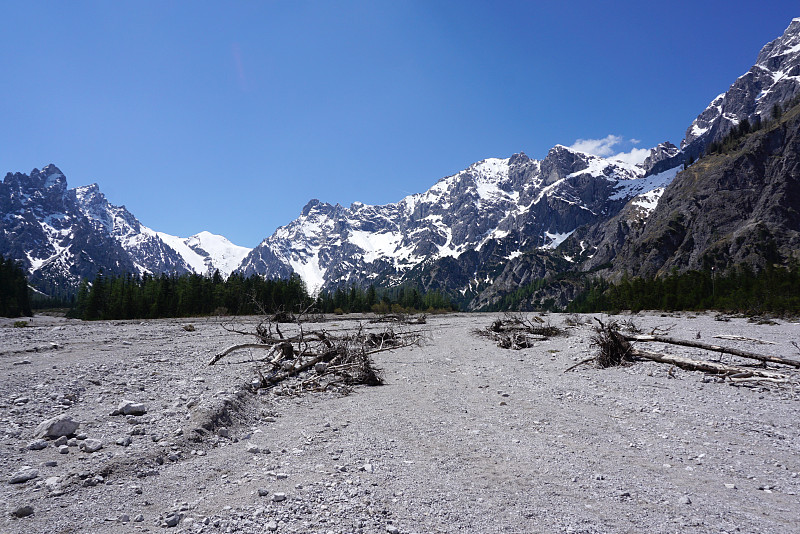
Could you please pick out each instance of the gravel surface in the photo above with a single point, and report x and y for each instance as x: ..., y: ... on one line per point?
x: 463, y: 437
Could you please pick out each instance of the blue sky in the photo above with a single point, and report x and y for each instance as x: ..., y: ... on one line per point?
x: 230, y: 116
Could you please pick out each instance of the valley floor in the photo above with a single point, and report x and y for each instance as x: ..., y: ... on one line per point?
x: 464, y: 436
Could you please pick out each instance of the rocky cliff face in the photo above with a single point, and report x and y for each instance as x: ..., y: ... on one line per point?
x: 739, y: 207
x: 774, y: 79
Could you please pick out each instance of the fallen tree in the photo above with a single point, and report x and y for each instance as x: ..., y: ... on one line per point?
x: 615, y: 349
x: 716, y: 348
x: 332, y: 360
x: 518, y: 331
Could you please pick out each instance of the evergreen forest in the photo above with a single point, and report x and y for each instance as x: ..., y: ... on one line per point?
x: 14, y: 298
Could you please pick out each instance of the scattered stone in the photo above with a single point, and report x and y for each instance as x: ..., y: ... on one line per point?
x: 253, y: 449
x: 91, y: 445
x: 55, y: 427
x: 223, y: 432
x: 128, y: 407
x: 62, y: 440
x: 685, y: 500
x: 124, y: 518
x: 263, y: 492
x: 391, y: 529
x: 138, y: 519
x: 281, y: 476
x: 272, y: 526
x: 63, y: 449
x: 25, y: 474
x: 278, y: 497
x: 37, y: 445
x: 321, y: 368
x: 22, y: 511
x: 124, y: 442
x: 50, y: 463
x: 730, y: 486
x: 369, y: 468
x: 172, y: 520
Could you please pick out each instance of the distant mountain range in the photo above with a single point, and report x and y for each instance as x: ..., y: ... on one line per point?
x: 478, y: 234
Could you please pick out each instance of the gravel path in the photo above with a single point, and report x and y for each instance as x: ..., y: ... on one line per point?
x: 464, y: 436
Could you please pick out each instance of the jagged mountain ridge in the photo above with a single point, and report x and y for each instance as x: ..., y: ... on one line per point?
x: 63, y: 235
x: 489, y: 213
x: 773, y: 79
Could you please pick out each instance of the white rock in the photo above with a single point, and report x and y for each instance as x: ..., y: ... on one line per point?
x: 91, y: 445
x: 55, y: 427
x: 25, y: 474
x: 253, y: 449
x: 128, y: 407
x: 278, y: 497
x: 272, y: 526
x: 369, y: 468
x: 37, y: 445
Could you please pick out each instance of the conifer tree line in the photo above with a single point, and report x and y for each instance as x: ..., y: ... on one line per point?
x: 773, y: 289
x: 398, y: 299
x: 189, y: 295
x: 14, y: 298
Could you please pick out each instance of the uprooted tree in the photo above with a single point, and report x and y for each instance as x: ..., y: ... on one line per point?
x: 518, y: 331
x: 318, y: 359
x: 615, y: 348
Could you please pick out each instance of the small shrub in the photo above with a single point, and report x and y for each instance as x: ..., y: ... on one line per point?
x: 189, y: 327
x: 338, y: 311
x: 20, y: 324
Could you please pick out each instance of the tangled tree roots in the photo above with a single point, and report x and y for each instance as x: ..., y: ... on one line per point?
x: 517, y: 331
x: 318, y: 360
x: 614, y: 350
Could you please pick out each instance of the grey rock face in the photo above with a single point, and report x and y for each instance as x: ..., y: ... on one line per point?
x: 664, y: 151
x: 55, y: 427
x: 723, y: 210
x: 774, y: 79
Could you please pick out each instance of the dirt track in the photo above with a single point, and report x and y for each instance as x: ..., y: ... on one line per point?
x: 464, y: 437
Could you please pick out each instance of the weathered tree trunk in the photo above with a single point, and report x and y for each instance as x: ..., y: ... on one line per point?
x: 708, y: 367
x: 716, y: 348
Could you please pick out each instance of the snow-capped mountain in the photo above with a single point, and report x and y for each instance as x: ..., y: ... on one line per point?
x: 494, y: 210
x: 205, y: 252
x: 63, y: 235
x: 773, y: 79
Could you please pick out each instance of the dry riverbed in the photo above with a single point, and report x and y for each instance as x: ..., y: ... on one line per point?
x: 463, y: 437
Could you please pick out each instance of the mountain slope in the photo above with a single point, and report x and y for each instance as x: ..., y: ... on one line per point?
x: 63, y: 235
x: 469, y: 222
x: 726, y: 209
x: 773, y: 79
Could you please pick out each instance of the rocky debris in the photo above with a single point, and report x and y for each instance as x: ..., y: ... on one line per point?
x: 37, y: 445
x: 128, y: 407
x: 91, y: 445
x: 55, y: 427
x: 24, y: 510
x: 24, y: 474
x: 427, y: 420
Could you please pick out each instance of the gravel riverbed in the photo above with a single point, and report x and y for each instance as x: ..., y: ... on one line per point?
x: 463, y: 437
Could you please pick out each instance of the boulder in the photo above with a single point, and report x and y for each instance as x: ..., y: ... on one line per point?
x: 55, y: 427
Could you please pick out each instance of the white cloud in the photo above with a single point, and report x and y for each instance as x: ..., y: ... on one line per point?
x: 634, y: 157
x: 599, y: 147
x: 607, y: 146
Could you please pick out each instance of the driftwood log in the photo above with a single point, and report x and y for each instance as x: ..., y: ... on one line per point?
x: 716, y: 348
x: 708, y: 367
